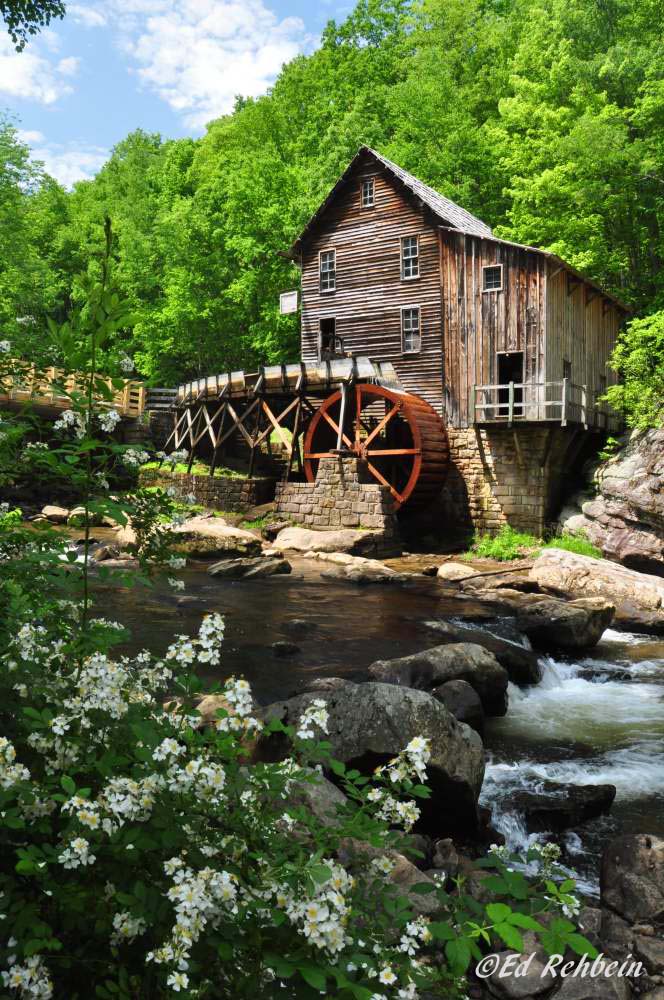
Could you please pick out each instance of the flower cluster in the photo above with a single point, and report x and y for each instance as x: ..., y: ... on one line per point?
x: 205, y: 649
x: 239, y: 717
x: 133, y: 458
x: 71, y: 420
x: 315, y: 714
x: 109, y: 420
x: 77, y: 854
x: 31, y: 978
x: 126, y: 928
x: 10, y: 773
x: 322, y: 917
x: 126, y: 364
x: 200, y: 898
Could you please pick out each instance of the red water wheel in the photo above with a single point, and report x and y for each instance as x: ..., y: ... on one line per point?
x: 401, y: 438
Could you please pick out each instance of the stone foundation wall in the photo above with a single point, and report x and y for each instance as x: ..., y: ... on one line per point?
x: 343, y: 496
x: 505, y: 476
x: 216, y: 492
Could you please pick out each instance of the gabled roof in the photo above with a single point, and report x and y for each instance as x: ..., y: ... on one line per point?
x: 447, y: 211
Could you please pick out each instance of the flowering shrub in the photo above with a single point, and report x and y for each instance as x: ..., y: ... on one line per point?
x: 143, y: 854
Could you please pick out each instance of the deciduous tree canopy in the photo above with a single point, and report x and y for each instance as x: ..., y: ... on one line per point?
x: 544, y: 119
x: 25, y: 17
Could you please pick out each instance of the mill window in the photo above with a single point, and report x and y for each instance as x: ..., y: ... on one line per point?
x: 492, y: 278
x: 368, y: 193
x: 410, y: 257
x: 329, y: 345
x: 567, y: 370
x: 411, y: 337
x: 328, y: 271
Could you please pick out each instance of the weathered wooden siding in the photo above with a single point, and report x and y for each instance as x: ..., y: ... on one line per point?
x: 370, y: 291
x: 478, y: 325
x: 583, y: 329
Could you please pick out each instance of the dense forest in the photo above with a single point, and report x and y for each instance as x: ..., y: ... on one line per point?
x: 544, y: 119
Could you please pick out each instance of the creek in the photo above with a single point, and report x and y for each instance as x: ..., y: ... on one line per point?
x: 595, y: 720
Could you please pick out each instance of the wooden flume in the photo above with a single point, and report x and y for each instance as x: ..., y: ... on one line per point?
x: 345, y: 406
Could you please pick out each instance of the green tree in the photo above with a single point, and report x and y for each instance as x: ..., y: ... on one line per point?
x: 26, y: 17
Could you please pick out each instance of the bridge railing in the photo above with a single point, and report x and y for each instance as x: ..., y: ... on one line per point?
x: 50, y: 387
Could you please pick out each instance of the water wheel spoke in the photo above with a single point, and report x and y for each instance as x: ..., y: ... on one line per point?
x: 377, y: 452
x: 383, y: 423
x: 383, y: 481
x: 335, y: 427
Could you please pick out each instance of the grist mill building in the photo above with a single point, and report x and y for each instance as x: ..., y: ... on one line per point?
x: 507, y: 343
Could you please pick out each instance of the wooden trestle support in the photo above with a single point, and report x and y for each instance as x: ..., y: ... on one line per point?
x: 340, y: 407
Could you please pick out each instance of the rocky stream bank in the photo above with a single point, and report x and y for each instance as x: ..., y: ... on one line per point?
x: 487, y: 647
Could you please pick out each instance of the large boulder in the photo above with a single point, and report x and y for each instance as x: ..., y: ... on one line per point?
x: 570, y: 574
x: 632, y: 878
x: 370, y: 724
x: 454, y: 571
x: 464, y: 661
x: 626, y: 518
x: 573, y: 625
x: 209, y: 537
x: 522, y: 665
x: 355, y: 855
x: 55, y: 514
x: 555, y: 806
x: 363, y: 571
x: 463, y: 702
x: 250, y: 568
x: 342, y: 540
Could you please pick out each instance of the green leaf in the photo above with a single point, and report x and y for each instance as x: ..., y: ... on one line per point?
x: 581, y: 945
x: 442, y: 931
x: 458, y: 955
x: 498, y: 912
x: 510, y: 936
x: 524, y: 921
x: 67, y: 784
x: 313, y: 976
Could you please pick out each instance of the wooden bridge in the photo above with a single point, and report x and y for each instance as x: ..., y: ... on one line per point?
x: 48, y: 391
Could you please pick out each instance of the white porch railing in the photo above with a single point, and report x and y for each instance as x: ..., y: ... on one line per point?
x: 561, y: 402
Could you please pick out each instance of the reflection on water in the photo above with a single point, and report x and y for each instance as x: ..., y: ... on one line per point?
x: 595, y: 721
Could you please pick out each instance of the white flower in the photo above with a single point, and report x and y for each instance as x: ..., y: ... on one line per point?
x: 5, y: 346
x: 315, y: 714
x: 127, y: 928
x: 177, y: 562
x: 109, y: 420
x: 178, y: 981
x: 386, y: 976
x: 168, y: 748
x: 175, y: 584
x: 134, y: 458
x: 126, y: 364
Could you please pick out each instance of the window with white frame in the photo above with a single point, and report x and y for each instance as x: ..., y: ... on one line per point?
x: 368, y: 193
x: 411, y: 337
x: 328, y: 270
x: 492, y: 278
x: 410, y: 257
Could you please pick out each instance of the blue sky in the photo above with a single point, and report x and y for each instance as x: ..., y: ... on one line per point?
x: 166, y: 66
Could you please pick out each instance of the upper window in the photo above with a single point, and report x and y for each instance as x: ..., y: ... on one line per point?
x: 410, y: 257
x: 411, y: 336
x: 492, y: 278
x: 368, y: 193
x: 328, y: 270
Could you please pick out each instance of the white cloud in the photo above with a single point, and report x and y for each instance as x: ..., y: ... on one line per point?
x: 28, y: 137
x: 197, y: 55
x: 87, y: 16
x: 69, y: 66
x: 31, y: 76
x: 75, y: 161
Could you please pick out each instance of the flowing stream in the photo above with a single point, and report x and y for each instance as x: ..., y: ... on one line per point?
x: 596, y: 720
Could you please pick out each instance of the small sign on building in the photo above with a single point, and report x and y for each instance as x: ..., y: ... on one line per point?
x: 288, y: 302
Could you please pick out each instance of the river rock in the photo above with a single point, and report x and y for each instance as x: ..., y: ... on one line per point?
x: 205, y: 537
x: 602, y: 988
x: 76, y: 518
x: 284, y: 648
x: 341, y: 540
x: 650, y: 950
x: 318, y: 796
x: 355, y: 855
x: 570, y: 574
x: 249, y: 568
x: 573, y: 625
x: 555, y: 806
x: 626, y: 518
x: 455, y: 571
x: 57, y: 515
x: 363, y: 571
x: 632, y: 878
x: 371, y: 723
x: 463, y: 702
x: 125, y: 536
x: 431, y: 668
x: 522, y: 665
x: 323, y: 685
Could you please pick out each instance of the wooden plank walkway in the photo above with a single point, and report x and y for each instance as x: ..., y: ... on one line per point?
x: 46, y: 391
